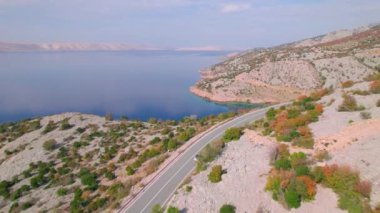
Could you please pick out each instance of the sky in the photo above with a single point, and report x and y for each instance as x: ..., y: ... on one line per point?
x: 226, y: 24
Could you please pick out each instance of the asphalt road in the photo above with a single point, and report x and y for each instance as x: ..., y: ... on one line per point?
x: 161, y: 190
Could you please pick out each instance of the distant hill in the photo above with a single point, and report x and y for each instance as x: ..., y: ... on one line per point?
x: 16, y: 47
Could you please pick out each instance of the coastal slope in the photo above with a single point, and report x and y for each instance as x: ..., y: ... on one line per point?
x: 281, y: 73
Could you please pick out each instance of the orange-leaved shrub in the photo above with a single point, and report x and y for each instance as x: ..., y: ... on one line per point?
x: 374, y: 87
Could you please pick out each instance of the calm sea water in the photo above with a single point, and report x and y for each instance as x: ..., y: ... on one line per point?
x: 139, y: 84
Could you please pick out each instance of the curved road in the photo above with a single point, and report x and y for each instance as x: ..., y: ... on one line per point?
x: 161, y: 189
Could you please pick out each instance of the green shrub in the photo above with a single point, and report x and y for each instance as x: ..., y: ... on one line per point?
x: 227, y: 208
x: 292, y: 198
x: 5, y: 188
x: 97, y: 204
x: 172, y: 145
x: 49, y: 127
x: 215, y: 175
x: 65, y: 124
x: 297, y: 159
x: 49, y: 145
x: 232, y: 134
x: 155, y: 140
x: 378, y: 103
x: 271, y: 114
x: 27, y: 205
x: 345, y: 182
x: 109, y: 175
x: 88, y: 179
x: 157, y: 209
x: 188, y: 188
x: 282, y: 163
x: 208, y: 154
x: 318, y: 174
x: 130, y: 170
x: 302, y: 170
x: 172, y: 209
x: 62, y: 191
x: 118, y: 190
x: 38, y: 181
x: 293, y: 113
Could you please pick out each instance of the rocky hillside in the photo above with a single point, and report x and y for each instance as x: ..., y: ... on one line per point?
x: 282, y: 73
x: 75, y: 162
x: 318, y: 154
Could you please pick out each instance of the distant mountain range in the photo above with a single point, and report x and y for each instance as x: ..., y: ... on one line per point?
x: 30, y: 47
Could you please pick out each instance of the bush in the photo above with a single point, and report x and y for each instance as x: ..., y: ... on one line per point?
x: 271, y: 114
x: 292, y: 198
x: 365, y: 115
x: 49, y: 127
x: 188, y: 188
x: 172, y: 209
x: 130, y: 170
x: 297, y: 159
x: 375, y: 87
x: 347, y: 84
x: 302, y: 171
x: 349, y: 104
x: 378, y: 103
x: 157, y: 209
x: 49, y: 145
x: 5, y: 188
x: 26, y: 205
x: 215, y: 175
x: 346, y: 183
x: 62, y: 192
x: 208, y: 154
x: 88, y: 179
x: 227, y: 208
x: 109, y: 175
x: 65, y: 124
x: 282, y: 163
x: 172, y: 145
x: 232, y: 134
x: 305, y: 142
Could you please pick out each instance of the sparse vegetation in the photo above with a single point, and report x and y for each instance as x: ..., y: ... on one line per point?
x: 172, y: 209
x: 157, y: 209
x: 365, y: 115
x: 215, y: 175
x: 50, y: 145
x: 347, y: 84
x: 50, y: 126
x: 349, y: 104
x: 65, y: 124
x: 208, y: 154
x: 227, y: 208
x: 375, y: 87
x: 291, y: 181
x: 351, y: 190
x: 232, y: 134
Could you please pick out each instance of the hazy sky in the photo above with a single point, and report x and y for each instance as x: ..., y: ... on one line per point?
x: 230, y: 24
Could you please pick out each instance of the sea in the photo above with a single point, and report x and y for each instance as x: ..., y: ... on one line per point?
x: 136, y: 84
